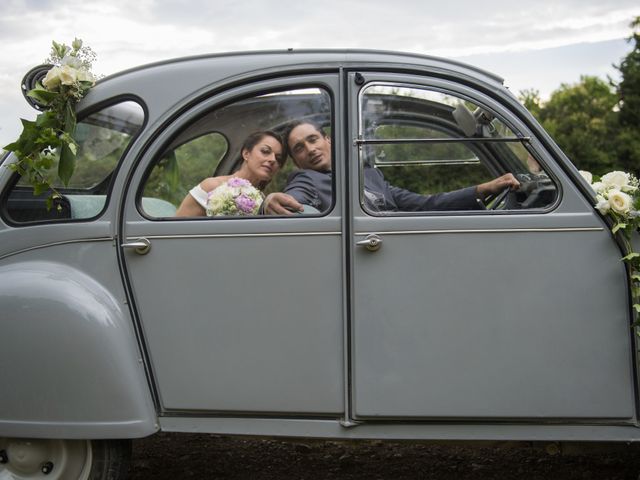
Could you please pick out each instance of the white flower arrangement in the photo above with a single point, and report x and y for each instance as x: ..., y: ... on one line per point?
x: 50, y: 136
x: 234, y: 197
x: 618, y: 195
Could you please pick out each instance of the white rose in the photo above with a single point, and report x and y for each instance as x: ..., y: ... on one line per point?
x: 52, y: 79
x: 620, y: 202
x: 616, y: 179
x: 598, y: 187
x: 68, y: 75
x: 602, y: 205
x: 85, y: 76
x: 587, y: 176
x: 71, y: 61
x: 629, y: 189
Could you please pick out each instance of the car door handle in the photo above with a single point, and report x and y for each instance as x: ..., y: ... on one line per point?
x: 371, y: 242
x: 141, y: 246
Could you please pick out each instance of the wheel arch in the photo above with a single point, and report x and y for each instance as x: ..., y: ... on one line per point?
x: 69, y: 358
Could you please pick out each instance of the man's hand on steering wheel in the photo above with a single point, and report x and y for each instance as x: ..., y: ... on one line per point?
x: 498, y: 188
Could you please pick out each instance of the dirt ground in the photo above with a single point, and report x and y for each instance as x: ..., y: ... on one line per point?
x: 187, y: 456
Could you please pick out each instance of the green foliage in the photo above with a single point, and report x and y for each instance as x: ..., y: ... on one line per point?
x: 184, y: 167
x: 50, y: 137
x: 426, y: 177
x: 628, y: 138
x: 430, y: 179
x: 99, y: 150
x: 582, y: 120
x: 530, y: 98
x: 629, y: 86
x: 596, y: 123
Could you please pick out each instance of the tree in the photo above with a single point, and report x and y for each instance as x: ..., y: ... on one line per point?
x: 597, y: 124
x: 628, y: 137
x: 530, y: 98
x: 581, y: 118
x: 629, y: 86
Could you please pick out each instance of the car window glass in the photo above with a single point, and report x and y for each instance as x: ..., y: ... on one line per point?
x: 210, y: 146
x: 440, y: 145
x: 185, y: 166
x: 102, y: 139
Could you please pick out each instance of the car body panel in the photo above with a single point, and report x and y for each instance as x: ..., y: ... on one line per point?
x: 65, y: 331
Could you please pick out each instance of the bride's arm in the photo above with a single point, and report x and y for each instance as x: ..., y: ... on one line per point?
x: 190, y: 207
x: 194, y: 204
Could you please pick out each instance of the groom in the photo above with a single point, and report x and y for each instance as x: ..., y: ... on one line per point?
x: 310, y: 149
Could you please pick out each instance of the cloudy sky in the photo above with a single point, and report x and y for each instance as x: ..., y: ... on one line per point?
x: 536, y: 44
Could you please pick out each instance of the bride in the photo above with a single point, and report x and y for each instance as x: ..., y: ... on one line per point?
x: 262, y: 155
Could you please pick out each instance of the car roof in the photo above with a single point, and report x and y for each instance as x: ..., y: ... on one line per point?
x: 329, y: 56
x: 163, y: 84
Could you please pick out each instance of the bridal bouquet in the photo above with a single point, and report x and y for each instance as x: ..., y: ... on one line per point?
x: 618, y: 195
x: 234, y: 197
x: 49, y: 139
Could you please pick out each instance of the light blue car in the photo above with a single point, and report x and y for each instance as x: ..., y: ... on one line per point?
x: 507, y: 320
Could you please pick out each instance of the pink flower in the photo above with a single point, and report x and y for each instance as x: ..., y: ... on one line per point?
x: 236, y: 182
x: 244, y: 203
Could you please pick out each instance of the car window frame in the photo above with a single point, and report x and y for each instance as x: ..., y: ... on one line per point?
x: 220, y: 99
x: 109, y: 179
x: 467, y: 93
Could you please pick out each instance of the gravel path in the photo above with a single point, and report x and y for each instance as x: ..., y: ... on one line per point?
x: 187, y: 456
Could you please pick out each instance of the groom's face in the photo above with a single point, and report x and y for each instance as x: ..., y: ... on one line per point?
x: 310, y: 148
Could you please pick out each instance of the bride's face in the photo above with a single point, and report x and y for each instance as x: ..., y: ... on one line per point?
x: 264, y: 159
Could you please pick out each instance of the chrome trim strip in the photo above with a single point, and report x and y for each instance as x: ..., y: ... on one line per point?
x: 393, y: 163
x: 402, y: 141
x: 236, y: 235
x: 489, y: 230
x: 402, y: 429
x: 55, y: 244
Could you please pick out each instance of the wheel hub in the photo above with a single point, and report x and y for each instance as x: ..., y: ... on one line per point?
x: 29, y: 459
x: 27, y: 456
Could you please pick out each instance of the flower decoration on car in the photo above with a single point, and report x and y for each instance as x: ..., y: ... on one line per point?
x: 618, y: 196
x: 234, y: 197
x: 48, y: 140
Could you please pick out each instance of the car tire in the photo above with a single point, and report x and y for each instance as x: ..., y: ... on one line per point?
x: 27, y: 459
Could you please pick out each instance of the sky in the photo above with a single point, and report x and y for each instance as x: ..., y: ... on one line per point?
x: 532, y: 45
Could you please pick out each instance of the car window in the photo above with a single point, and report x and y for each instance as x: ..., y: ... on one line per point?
x: 209, y: 145
x: 102, y: 139
x: 440, y: 145
x: 184, y: 166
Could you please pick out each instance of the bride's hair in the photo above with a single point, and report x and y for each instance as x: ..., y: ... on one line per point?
x: 253, y: 139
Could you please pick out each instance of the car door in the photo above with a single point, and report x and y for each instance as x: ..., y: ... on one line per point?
x: 518, y: 312
x: 239, y: 315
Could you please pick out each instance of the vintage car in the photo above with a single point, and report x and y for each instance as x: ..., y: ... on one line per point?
x: 506, y: 322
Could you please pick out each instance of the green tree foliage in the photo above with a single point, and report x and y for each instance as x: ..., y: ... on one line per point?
x: 628, y: 139
x: 629, y: 86
x: 531, y: 100
x: 596, y: 123
x: 186, y: 166
x: 423, y: 177
x: 582, y: 120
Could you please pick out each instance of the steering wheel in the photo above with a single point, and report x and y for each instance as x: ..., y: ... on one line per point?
x: 494, y: 201
x: 536, y: 191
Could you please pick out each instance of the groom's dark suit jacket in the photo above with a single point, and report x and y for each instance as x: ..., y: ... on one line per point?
x: 310, y: 187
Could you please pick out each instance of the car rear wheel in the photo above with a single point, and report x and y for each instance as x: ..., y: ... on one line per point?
x: 28, y: 459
